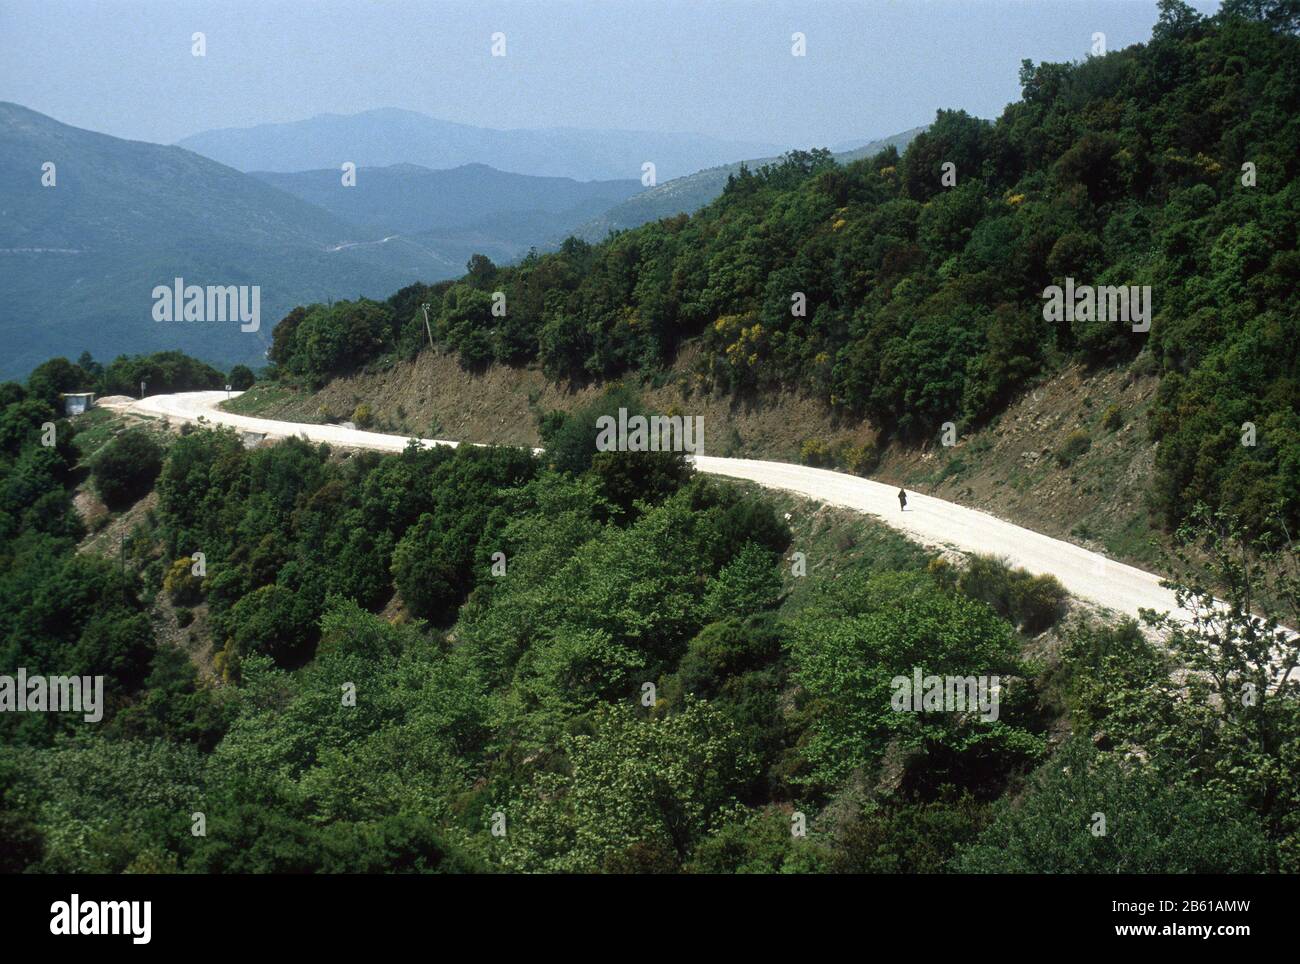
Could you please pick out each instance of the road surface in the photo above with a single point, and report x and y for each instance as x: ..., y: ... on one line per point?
x: 932, y: 522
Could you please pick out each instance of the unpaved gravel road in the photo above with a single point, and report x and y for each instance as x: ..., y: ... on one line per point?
x: 930, y: 521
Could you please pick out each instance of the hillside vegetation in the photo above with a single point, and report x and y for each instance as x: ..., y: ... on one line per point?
x: 686, y: 195
x: 923, y: 302
x: 583, y: 664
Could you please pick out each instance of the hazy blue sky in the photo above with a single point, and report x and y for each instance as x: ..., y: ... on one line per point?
x: 873, y: 67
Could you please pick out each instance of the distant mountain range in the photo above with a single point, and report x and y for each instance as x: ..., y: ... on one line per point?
x: 493, y: 212
x: 382, y: 138
x: 79, y: 260
x: 686, y: 195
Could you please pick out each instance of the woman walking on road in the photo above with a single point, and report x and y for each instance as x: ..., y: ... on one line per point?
x: 902, y: 500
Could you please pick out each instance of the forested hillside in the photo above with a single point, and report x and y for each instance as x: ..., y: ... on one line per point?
x: 1171, y: 164
x: 478, y: 659
x: 686, y: 195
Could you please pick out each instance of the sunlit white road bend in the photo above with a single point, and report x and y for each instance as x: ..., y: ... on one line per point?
x: 932, y: 522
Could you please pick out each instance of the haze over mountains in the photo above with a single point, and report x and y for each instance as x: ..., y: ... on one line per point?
x: 79, y: 260
x: 501, y: 213
x: 380, y: 138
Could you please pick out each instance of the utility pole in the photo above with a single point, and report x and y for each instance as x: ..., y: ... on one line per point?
x: 426, y: 324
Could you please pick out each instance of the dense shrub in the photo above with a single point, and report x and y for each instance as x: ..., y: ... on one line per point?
x: 162, y: 373
x: 273, y: 621
x: 861, y: 459
x: 1037, y: 602
x: 241, y: 378
x: 570, y: 439
x: 321, y: 341
x: 721, y: 651
x: 628, y: 477
x: 57, y: 375
x: 180, y: 583
x: 126, y: 467
x: 1033, y: 603
x: 817, y: 452
x: 1154, y: 824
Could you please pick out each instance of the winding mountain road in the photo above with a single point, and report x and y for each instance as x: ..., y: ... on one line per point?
x: 932, y: 522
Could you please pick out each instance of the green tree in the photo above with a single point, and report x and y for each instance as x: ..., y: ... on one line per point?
x: 274, y: 621
x: 125, y: 468
x: 241, y: 378
x: 847, y: 652
x: 1152, y: 824
x: 654, y: 785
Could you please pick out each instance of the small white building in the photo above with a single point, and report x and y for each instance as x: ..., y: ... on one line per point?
x: 74, y: 403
